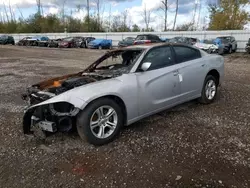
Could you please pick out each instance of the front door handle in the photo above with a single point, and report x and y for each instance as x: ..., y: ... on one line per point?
x: 176, y: 72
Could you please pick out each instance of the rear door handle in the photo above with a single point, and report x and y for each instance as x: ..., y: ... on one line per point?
x: 176, y: 72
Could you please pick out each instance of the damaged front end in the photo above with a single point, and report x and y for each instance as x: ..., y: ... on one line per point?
x: 54, y: 104
x: 56, y: 116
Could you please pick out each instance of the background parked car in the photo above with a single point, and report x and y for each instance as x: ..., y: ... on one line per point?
x: 128, y: 41
x: 24, y: 41
x: 43, y: 42
x: 84, y: 41
x: 228, y: 44
x: 164, y: 39
x: 208, y: 46
x: 5, y: 39
x: 54, y: 43
x: 100, y: 43
x: 184, y: 40
x: 248, y: 46
x: 69, y: 42
x: 147, y: 38
x: 34, y: 41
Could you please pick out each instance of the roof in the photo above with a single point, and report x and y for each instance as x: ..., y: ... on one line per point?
x: 149, y: 45
x: 148, y: 35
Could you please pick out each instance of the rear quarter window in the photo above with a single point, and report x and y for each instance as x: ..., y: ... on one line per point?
x: 184, y: 54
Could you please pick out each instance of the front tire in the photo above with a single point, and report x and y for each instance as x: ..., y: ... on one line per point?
x: 100, y: 122
x: 209, y: 90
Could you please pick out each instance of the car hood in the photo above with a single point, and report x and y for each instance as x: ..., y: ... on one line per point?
x: 80, y: 96
x: 205, y: 46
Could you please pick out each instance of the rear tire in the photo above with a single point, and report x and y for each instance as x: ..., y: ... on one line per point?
x: 209, y: 90
x: 96, y: 134
x: 235, y: 49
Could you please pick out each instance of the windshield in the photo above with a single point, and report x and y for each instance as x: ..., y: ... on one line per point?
x: 117, y: 62
x: 176, y: 39
x: 3, y: 37
x: 224, y: 39
x: 141, y: 37
x: 129, y: 39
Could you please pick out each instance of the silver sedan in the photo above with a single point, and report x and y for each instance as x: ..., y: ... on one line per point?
x: 120, y: 88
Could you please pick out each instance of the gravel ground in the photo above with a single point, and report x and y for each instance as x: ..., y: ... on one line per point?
x: 191, y: 145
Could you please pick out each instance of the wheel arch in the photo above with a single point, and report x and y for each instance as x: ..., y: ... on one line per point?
x: 117, y: 99
x: 215, y: 74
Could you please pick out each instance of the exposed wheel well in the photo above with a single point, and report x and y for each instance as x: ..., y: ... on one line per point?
x: 215, y: 74
x: 119, y: 101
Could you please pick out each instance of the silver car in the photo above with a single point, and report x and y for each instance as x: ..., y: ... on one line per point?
x: 120, y: 88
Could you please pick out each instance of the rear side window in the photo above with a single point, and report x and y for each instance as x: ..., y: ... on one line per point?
x: 184, y: 54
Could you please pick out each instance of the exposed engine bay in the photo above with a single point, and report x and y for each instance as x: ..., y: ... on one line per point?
x: 61, y: 116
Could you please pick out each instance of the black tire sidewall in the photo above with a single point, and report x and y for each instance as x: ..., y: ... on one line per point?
x: 83, y: 121
x: 204, y: 98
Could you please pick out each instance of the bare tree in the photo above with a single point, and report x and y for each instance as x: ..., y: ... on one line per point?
x: 199, y: 14
x: 146, y: 16
x: 6, y: 13
x: 98, y: 7
x: 19, y: 10
x: 176, y: 13
x: 164, y: 8
x: 124, y: 19
x: 88, y: 13
x: 38, y: 2
x: 195, y: 12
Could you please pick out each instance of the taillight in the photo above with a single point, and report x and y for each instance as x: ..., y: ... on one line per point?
x: 147, y: 41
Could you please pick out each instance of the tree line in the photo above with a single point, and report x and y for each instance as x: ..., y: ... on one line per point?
x: 228, y: 15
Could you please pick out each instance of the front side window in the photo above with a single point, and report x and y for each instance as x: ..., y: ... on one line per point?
x: 184, y: 54
x: 159, y: 57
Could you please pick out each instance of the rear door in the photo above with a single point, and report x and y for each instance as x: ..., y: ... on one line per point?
x: 191, y: 71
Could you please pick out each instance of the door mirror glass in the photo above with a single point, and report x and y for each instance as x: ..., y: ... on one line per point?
x: 145, y: 66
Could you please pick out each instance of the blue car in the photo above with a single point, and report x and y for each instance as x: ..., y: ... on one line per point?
x: 100, y: 44
x: 164, y: 39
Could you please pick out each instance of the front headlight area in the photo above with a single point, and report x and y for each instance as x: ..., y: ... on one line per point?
x: 54, y: 117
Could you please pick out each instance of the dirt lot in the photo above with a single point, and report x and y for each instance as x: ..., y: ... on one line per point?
x: 189, y: 146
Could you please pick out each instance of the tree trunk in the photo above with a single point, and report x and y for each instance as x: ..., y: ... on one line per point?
x: 88, y: 14
x: 176, y: 13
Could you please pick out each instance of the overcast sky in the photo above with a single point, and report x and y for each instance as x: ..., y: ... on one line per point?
x: 115, y: 7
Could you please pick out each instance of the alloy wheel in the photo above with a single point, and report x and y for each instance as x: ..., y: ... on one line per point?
x: 210, y: 89
x: 103, y: 122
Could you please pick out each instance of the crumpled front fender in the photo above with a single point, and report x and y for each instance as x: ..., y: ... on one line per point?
x: 64, y: 97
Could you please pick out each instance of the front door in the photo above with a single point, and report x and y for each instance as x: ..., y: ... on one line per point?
x: 158, y: 86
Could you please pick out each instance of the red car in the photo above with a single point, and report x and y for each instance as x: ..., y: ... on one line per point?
x: 69, y: 42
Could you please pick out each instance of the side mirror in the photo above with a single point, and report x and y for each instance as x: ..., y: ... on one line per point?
x: 145, y: 66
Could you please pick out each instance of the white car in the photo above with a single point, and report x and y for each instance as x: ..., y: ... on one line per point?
x: 207, y: 46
